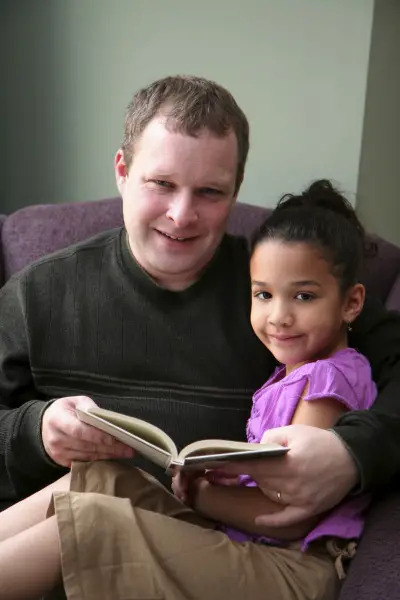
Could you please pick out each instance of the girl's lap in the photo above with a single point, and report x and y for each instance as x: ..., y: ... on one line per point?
x: 124, y: 536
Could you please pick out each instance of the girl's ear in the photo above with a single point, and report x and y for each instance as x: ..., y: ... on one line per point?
x: 353, y: 303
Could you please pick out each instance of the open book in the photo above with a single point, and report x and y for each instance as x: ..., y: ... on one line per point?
x: 153, y: 443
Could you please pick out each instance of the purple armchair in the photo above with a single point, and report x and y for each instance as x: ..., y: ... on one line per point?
x: 37, y: 230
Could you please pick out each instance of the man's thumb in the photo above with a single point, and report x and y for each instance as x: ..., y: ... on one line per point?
x: 275, y: 436
x: 84, y: 403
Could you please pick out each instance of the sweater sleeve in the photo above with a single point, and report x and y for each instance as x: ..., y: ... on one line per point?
x: 24, y: 464
x: 373, y: 437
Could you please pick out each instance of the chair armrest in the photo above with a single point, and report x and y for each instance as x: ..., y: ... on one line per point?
x: 375, y: 570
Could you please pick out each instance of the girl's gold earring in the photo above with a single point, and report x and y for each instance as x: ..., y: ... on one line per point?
x: 349, y: 327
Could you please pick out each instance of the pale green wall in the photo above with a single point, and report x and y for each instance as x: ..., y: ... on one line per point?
x: 378, y: 201
x: 297, y: 67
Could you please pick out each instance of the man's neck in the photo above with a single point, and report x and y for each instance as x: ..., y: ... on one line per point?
x: 174, y: 285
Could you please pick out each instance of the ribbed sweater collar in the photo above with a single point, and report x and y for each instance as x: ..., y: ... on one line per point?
x: 147, y: 285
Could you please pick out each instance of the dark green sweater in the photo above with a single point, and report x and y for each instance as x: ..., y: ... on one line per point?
x: 87, y: 320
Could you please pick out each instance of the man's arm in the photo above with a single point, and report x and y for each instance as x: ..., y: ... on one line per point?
x: 22, y: 456
x: 38, y: 436
x: 373, y: 437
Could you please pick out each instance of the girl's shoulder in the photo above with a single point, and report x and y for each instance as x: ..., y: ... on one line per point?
x: 343, y: 360
x: 345, y: 376
x: 347, y: 357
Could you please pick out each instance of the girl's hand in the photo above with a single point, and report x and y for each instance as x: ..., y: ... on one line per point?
x: 221, y: 478
x: 183, y: 485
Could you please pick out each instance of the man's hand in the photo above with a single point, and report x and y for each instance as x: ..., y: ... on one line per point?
x: 316, y: 474
x: 66, y: 438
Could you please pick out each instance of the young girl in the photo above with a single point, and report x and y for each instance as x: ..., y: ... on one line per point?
x: 126, y: 537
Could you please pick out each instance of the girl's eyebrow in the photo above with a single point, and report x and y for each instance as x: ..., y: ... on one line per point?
x: 294, y: 283
x: 307, y: 282
x: 259, y: 283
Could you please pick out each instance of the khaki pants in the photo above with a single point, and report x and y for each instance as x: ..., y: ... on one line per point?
x: 127, y: 538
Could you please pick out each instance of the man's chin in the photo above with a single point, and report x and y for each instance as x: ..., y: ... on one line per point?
x: 176, y: 270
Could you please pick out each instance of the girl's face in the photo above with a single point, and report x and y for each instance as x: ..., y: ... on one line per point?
x: 298, y: 310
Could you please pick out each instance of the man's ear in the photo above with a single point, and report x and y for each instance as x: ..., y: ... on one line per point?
x: 121, y: 170
x: 354, y: 302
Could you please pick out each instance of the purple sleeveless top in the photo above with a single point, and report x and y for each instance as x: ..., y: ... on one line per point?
x: 346, y: 377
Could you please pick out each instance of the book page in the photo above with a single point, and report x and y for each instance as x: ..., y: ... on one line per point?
x: 145, y: 438
x: 211, y: 452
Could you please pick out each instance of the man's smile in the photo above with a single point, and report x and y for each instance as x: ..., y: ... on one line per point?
x: 176, y: 238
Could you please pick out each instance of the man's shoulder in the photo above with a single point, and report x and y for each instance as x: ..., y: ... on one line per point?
x: 87, y: 250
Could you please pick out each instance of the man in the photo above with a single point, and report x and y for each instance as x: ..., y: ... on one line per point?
x: 153, y: 320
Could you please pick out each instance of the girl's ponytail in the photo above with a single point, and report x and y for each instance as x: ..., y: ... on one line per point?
x: 322, y: 194
x: 323, y: 217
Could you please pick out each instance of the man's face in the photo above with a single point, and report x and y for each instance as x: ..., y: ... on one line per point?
x: 177, y: 195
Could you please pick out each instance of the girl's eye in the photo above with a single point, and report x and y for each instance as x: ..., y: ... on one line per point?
x: 263, y: 295
x: 305, y: 296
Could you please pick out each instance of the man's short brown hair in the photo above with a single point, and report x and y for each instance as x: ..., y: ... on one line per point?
x: 189, y: 104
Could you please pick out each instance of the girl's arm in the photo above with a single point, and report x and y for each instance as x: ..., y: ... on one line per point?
x: 239, y: 506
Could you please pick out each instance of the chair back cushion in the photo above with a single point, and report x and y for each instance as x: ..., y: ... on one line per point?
x: 36, y: 230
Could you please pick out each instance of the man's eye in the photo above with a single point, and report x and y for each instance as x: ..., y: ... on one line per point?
x: 263, y: 295
x: 162, y: 183
x: 206, y: 191
x: 305, y: 296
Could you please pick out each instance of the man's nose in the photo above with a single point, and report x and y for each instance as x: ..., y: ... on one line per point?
x: 182, y: 210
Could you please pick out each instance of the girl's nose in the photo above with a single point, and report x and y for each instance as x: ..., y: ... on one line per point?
x: 279, y: 315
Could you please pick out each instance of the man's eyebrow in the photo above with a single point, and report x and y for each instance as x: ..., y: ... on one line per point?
x: 161, y: 175
x: 221, y: 184
x: 221, y: 179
